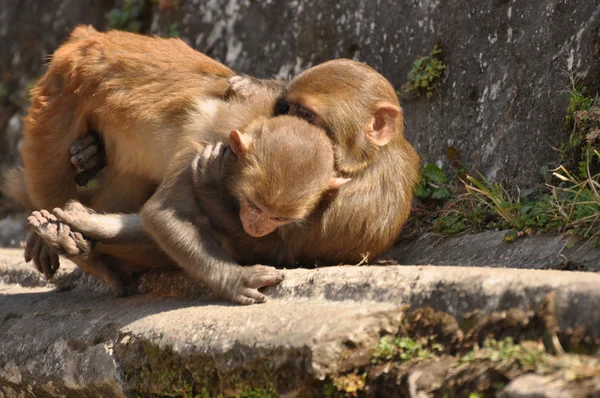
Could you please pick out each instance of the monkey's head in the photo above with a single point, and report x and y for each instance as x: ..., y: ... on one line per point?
x: 354, y: 104
x: 284, y: 166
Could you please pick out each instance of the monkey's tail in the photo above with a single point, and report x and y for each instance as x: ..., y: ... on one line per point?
x: 12, y: 185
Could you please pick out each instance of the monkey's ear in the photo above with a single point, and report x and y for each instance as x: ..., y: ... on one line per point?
x: 240, y: 143
x: 336, y: 182
x: 380, y: 129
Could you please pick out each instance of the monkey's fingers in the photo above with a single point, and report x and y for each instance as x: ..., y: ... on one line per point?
x: 215, y: 163
x: 249, y: 296
x: 32, y: 249
x: 80, y: 221
x: 65, y: 240
x: 206, y: 155
x: 54, y: 261
x: 35, y: 254
x: 89, y: 140
x: 85, y: 159
x: 243, y: 86
x: 44, y: 259
x: 262, y: 276
x: 91, y: 169
x: 30, y: 242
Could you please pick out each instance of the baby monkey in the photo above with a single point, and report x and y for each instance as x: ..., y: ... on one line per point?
x: 215, y: 206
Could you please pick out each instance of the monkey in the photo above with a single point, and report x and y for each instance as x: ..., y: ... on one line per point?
x: 282, y: 168
x: 98, y: 79
x: 359, y: 110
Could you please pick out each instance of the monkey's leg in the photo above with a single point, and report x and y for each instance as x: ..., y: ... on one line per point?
x: 121, y: 193
x: 49, y: 175
x: 76, y: 247
x: 118, y: 235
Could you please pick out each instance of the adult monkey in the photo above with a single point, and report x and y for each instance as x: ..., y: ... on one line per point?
x: 360, y: 111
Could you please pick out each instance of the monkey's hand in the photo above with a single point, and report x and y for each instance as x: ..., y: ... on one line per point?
x: 58, y: 236
x: 209, y: 166
x: 44, y: 257
x: 250, y: 88
x: 88, y: 157
x: 242, y: 284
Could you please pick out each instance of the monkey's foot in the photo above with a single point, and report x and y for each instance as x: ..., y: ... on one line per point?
x: 44, y: 257
x: 88, y: 157
x: 81, y: 219
x: 245, y: 289
x: 59, y: 235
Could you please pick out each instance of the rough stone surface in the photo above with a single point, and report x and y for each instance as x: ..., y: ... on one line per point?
x: 535, y: 386
x: 78, y: 340
x: 504, y: 94
x: 489, y: 249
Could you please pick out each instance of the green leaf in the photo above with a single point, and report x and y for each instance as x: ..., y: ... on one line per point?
x: 434, y: 173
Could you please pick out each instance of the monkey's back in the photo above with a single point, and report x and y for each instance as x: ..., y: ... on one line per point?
x: 135, y: 90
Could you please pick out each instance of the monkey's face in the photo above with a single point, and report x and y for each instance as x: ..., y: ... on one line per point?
x: 352, y: 103
x: 259, y: 221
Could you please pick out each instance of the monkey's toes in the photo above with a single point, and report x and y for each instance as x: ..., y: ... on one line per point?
x: 42, y: 222
x: 74, y: 205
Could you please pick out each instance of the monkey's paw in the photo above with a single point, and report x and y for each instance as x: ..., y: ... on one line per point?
x: 245, y: 86
x: 88, y: 157
x: 44, y: 257
x: 59, y: 235
x: 80, y: 219
x: 245, y: 289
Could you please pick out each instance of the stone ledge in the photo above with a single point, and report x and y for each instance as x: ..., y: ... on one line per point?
x: 83, y: 342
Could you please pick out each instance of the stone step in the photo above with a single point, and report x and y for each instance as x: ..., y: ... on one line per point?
x: 78, y: 340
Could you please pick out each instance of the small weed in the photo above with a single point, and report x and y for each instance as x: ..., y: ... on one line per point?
x: 527, y: 354
x: 128, y: 18
x: 450, y: 223
x: 579, y: 100
x: 433, y: 184
x: 577, y: 199
x: 350, y: 384
x: 426, y: 73
x: 173, y: 31
x: 402, y: 348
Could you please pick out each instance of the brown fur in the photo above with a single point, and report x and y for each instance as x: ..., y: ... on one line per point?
x: 108, y: 82
x: 364, y: 217
x: 368, y: 213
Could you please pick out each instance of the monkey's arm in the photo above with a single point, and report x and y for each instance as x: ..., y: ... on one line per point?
x: 172, y: 217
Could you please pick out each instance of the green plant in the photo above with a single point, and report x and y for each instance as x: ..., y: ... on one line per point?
x: 577, y: 199
x: 579, y: 100
x: 128, y: 18
x: 425, y: 74
x: 433, y: 184
x: 403, y: 348
x: 173, y: 30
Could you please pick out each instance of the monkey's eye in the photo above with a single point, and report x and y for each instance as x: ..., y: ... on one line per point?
x: 252, y: 205
x: 282, y: 107
x: 282, y: 219
x: 304, y: 114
